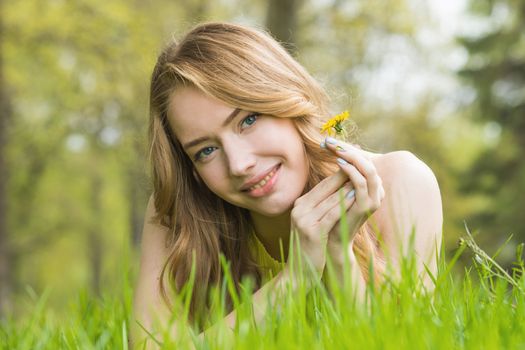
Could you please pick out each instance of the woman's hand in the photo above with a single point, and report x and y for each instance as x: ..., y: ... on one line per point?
x: 366, y: 183
x: 316, y: 213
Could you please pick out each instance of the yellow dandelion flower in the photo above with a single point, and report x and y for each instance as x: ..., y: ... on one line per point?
x: 335, y: 124
x: 328, y: 127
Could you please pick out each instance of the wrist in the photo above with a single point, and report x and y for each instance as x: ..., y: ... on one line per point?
x: 303, y: 272
x: 351, y: 255
x: 339, y: 255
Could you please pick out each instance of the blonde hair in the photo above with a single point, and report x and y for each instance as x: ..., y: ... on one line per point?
x: 248, y: 69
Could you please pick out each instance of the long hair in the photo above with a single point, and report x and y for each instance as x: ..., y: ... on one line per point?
x: 248, y: 69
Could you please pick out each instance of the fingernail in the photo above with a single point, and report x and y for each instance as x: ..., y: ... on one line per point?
x: 331, y: 140
x: 350, y: 194
x: 322, y: 145
x: 341, y: 161
x: 340, y: 149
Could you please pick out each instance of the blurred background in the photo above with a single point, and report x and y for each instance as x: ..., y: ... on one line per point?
x: 443, y: 79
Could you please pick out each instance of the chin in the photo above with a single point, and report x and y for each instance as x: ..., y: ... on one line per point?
x: 275, y: 209
x: 274, y: 213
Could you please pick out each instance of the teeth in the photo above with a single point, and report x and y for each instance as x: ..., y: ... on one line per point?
x: 263, y: 181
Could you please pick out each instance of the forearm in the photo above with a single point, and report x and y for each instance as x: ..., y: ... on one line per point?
x: 266, y: 297
x: 262, y: 300
x: 357, y: 282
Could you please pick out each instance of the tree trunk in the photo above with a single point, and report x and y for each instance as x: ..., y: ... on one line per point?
x: 5, y: 252
x: 281, y: 20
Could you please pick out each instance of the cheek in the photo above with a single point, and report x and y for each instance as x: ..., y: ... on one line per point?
x: 298, y: 157
x: 282, y: 144
x: 282, y: 134
x: 213, y: 179
x: 294, y: 145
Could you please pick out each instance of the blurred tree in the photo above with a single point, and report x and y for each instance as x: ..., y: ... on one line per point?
x: 341, y: 38
x: 78, y: 99
x: 496, y: 72
x: 281, y: 20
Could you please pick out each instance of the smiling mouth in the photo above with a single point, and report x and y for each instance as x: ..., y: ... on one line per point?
x: 263, y: 181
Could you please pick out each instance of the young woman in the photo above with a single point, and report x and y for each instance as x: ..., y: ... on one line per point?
x: 238, y: 163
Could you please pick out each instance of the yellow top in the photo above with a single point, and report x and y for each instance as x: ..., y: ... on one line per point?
x: 268, y: 266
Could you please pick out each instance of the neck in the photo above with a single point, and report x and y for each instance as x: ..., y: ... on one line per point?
x: 271, y: 230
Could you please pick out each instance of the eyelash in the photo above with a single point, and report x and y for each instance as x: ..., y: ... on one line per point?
x: 198, y: 156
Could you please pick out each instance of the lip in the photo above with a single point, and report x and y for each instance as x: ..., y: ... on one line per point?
x: 246, y: 186
x: 268, y: 187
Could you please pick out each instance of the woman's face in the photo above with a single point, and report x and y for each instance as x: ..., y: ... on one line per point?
x: 253, y: 161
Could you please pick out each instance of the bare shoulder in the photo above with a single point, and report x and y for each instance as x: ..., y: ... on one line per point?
x: 153, y: 244
x: 412, y: 208
x: 412, y: 190
x: 147, y: 301
x: 403, y: 166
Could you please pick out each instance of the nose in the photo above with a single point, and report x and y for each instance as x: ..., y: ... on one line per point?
x: 240, y: 158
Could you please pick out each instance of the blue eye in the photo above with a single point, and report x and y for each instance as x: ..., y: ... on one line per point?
x: 250, y: 119
x: 203, y: 153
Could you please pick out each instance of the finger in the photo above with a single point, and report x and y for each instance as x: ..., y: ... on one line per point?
x: 331, y: 141
x: 358, y: 181
x: 333, y: 200
x: 375, y: 184
x: 336, y: 199
x: 333, y: 215
x: 321, y: 191
x: 353, y: 156
x: 376, y: 189
x: 365, y: 166
x: 383, y: 193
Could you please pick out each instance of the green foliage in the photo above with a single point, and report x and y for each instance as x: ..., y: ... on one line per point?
x: 496, y: 72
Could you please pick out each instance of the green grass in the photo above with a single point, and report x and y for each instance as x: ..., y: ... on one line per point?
x: 482, y: 308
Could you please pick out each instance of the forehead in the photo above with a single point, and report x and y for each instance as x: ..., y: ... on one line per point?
x: 192, y: 114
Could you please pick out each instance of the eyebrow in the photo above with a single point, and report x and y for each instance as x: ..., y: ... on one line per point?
x: 205, y: 138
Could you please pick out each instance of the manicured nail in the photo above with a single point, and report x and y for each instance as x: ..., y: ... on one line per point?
x: 331, y: 140
x: 322, y: 145
x: 350, y: 194
x: 341, y: 161
x: 340, y: 149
